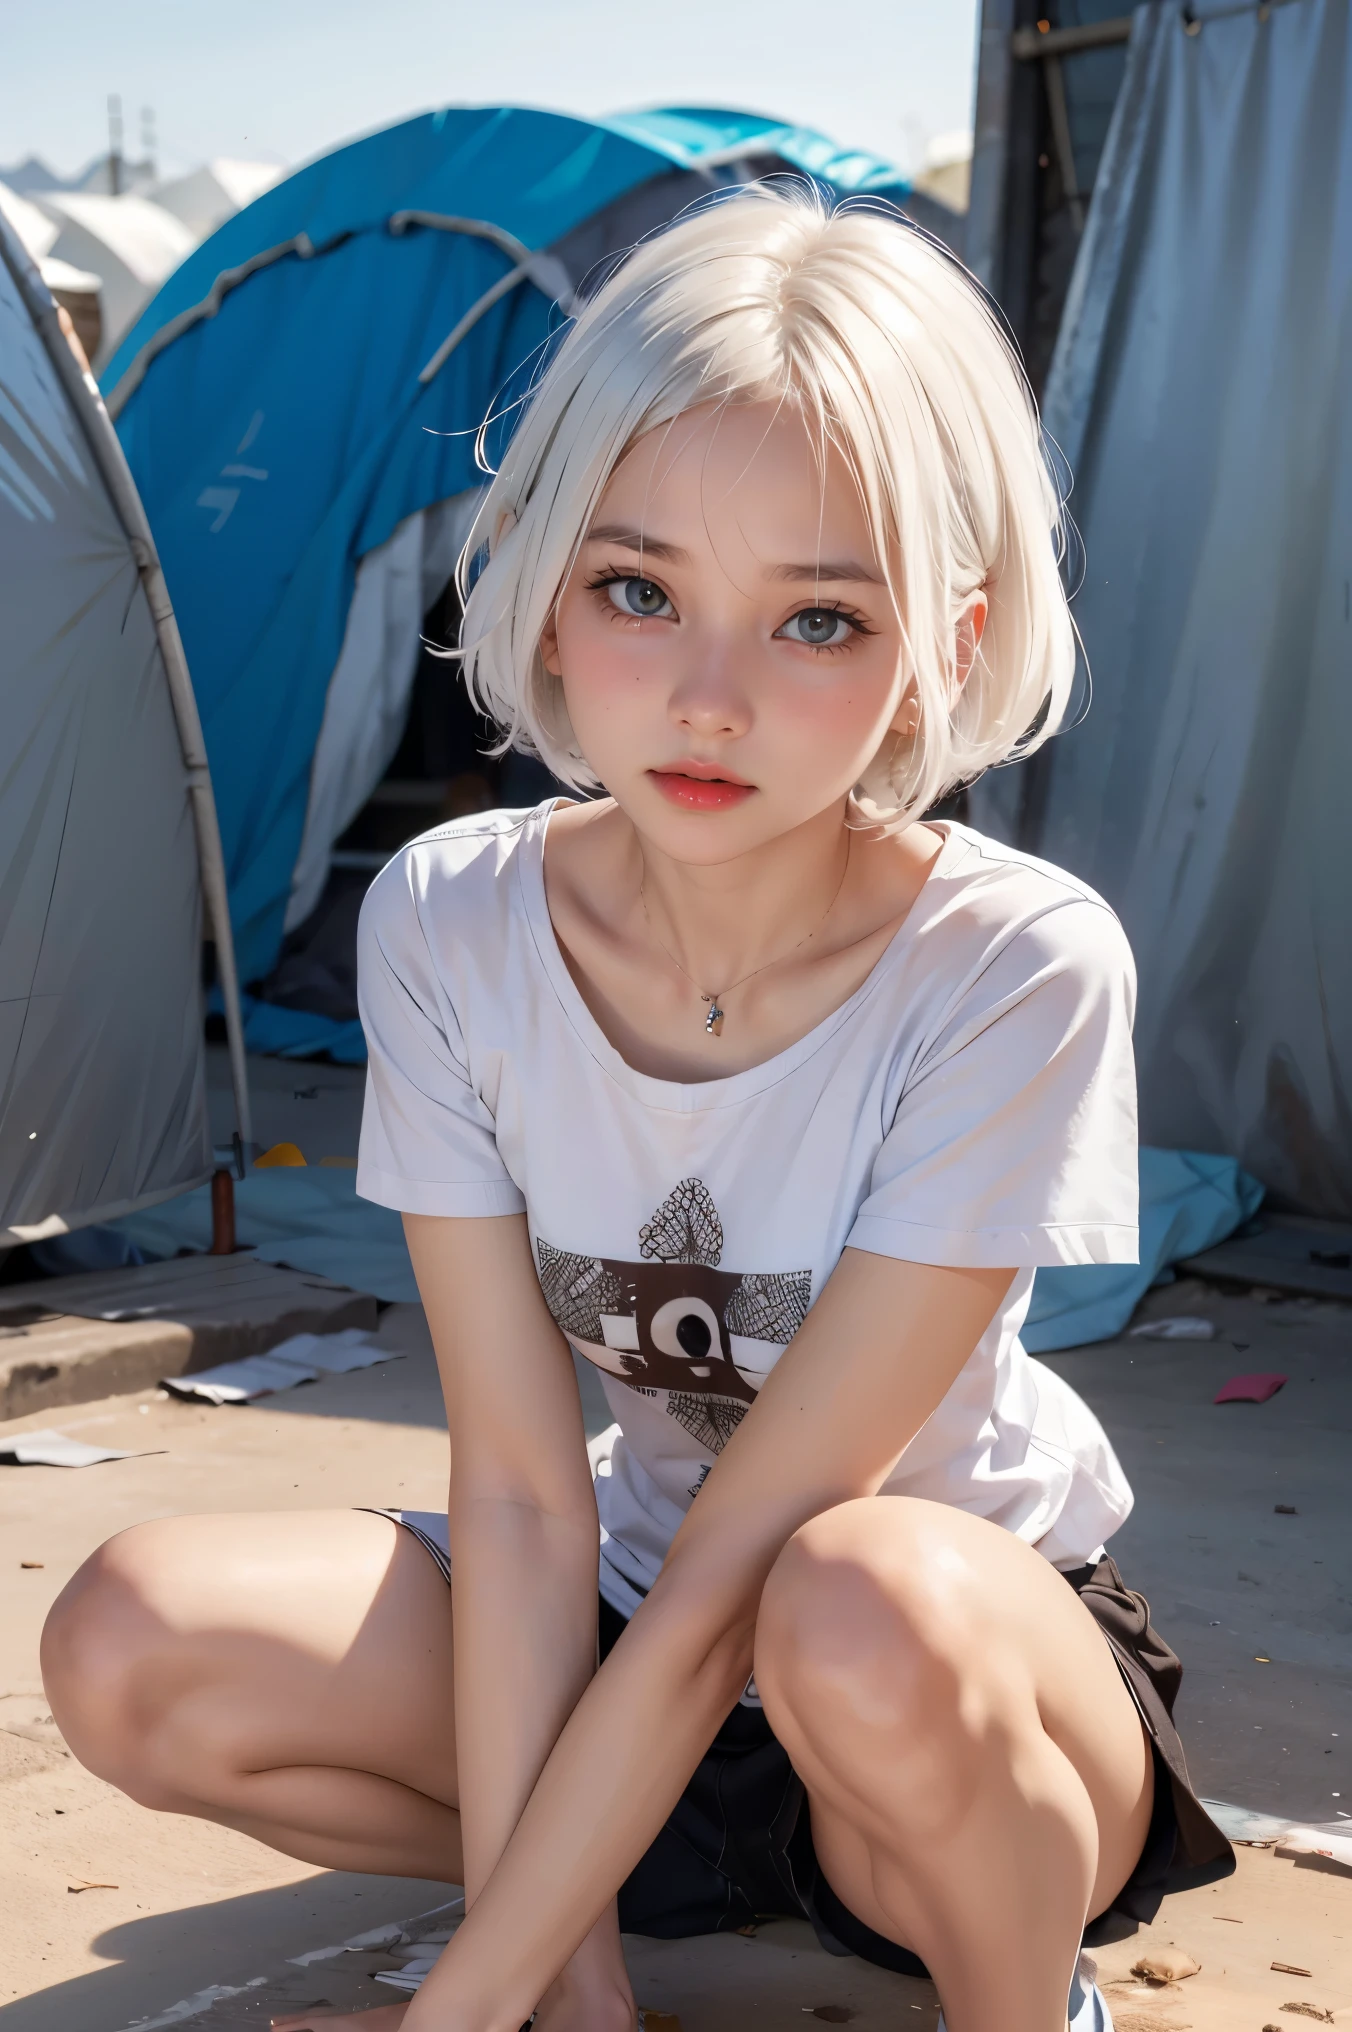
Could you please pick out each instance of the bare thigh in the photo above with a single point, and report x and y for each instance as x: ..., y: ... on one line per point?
x: 909, y: 1654
x: 192, y: 1649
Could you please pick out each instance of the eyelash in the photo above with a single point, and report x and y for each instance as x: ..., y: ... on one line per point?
x: 615, y: 578
x: 850, y: 614
x: 604, y: 579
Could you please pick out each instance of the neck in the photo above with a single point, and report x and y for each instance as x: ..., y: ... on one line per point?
x: 728, y: 919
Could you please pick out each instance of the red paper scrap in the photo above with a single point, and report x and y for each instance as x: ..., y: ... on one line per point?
x: 1249, y: 1389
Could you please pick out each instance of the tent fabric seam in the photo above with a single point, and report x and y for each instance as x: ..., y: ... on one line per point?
x: 462, y: 328
x: 227, y: 280
x: 399, y: 222
x: 304, y: 249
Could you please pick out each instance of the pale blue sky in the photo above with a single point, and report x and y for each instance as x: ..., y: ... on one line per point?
x: 289, y: 78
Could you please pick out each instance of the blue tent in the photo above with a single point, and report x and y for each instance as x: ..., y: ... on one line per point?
x: 314, y: 374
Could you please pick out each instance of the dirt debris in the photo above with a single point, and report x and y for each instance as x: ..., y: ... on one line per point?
x: 1165, y: 1965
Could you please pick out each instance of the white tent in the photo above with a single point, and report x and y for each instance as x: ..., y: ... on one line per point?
x: 137, y: 177
x: 946, y: 172
x: 108, y: 836
x: 128, y: 241
x: 34, y: 227
x: 207, y: 197
x: 79, y: 289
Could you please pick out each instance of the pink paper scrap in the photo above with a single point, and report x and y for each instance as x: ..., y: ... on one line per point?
x: 1249, y: 1389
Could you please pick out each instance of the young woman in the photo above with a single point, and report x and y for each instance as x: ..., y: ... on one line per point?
x: 766, y: 1096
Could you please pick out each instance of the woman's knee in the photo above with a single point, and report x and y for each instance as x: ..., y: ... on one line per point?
x: 876, y: 1635
x: 104, y: 1654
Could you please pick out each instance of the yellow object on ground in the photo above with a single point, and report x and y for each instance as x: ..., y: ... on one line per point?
x: 280, y: 1153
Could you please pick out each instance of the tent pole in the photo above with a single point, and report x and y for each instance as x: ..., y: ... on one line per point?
x: 116, y: 475
x: 210, y: 853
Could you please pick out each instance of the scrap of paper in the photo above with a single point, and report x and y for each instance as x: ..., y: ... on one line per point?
x: 302, y: 1359
x: 54, y: 1450
x: 1249, y: 1389
x: 411, y: 1976
x: 1183, y: 1327
x: 1333, y: 1839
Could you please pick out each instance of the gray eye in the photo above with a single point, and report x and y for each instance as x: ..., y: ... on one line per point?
x: 818, y: 627
x: 637, y: 596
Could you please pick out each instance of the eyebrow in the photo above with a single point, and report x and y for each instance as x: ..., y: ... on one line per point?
x: 841, y: 571
x: 637, y: 540
x: 837, y: 571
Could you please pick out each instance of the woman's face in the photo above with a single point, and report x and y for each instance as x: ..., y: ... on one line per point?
x: 727, y: 645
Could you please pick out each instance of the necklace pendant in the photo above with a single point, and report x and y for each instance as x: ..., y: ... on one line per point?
x: 714, y: 1016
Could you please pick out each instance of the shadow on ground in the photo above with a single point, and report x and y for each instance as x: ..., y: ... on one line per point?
x: 407, y: 1391
x: 239, y: 1939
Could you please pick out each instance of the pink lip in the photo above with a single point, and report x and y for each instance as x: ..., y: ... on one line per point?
x: 699, y: 786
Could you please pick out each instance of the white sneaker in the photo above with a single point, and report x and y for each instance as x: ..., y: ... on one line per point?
x: 1088, y: 2005
x: 1088, y: 2008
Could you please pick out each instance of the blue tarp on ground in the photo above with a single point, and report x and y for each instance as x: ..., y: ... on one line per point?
x: 1188, y: 1203
x: 313, y: 1220
x: 308, y: 1217
x: 279, y: 439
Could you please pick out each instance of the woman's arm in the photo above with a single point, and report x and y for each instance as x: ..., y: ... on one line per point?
x: 875, y: 1356
x: 523, y: 1525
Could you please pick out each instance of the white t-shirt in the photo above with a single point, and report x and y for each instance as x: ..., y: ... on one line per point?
x: 973, y: 1103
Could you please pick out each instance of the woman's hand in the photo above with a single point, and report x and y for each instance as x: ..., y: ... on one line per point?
x: 591, y: 1995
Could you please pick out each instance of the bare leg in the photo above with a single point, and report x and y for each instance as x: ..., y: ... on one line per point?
x: 980, y: 1782
x: 290, y: 1676
x: 286, y: 1675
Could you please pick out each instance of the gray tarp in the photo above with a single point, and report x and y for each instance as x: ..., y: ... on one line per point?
x: 102, y: 1092
x: 1202, y: 391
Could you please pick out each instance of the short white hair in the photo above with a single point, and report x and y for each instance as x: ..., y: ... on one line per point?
x: 892, y: 355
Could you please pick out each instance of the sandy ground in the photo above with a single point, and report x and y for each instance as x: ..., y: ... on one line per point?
x: 112, y: 1916
x: 193, y: 1904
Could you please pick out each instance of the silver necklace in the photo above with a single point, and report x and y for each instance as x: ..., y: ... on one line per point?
x: 716, y: 1011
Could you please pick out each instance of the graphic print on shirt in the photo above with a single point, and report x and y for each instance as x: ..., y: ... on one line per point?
x: 667, y: 1323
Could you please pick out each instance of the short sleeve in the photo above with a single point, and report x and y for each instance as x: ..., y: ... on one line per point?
x: 1014, y: 1140
x: 427, y: 1137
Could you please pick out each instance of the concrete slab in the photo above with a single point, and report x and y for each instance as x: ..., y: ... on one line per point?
x: 68, y: 1340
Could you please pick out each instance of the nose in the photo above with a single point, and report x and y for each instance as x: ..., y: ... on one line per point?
x: 708, y: 699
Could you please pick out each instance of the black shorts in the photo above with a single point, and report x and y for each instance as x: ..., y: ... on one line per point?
x: 737, y: 1846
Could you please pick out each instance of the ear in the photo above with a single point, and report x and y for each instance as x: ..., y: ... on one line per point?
x: 971, y: 627
x: 504, y: 526
x: 549, y: 646
x: 906, y: 720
